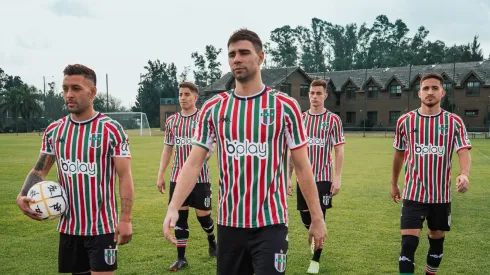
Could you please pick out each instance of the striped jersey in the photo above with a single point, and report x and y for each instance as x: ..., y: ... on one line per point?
x: 252, y: 135
x: 85, y: 169
x: 429, y: 142
x: 323, y: 131
x: 179, y: 130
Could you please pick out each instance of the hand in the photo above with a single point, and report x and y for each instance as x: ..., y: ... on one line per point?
x: 23, y: 203
x: 462, y: 183
x: 318, y: 233
x: 168, y: 223
x: 124, y: 232
x: 335, y: 189
x: 395, y: 193
x: 161, y: 185
x: 290, y: 187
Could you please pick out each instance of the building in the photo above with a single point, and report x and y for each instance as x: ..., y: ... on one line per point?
x: 381, y: 95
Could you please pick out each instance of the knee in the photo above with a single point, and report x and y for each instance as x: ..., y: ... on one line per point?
x: 305, y: 218
x: 436, y: 234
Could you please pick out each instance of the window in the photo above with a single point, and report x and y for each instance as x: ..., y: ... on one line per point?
x: 416, y: 89
x: 350, y: 92
x: 372, y: 92
x: 473, y: 88
x: 448, y: 87
x: 337, y: 99
x: 304, y: 90
x: 394, y: 115
x: 285, y: 88
x: 395, y: 91
x: 372, y: 117
x: 471, y: 113
x: 351, y: 118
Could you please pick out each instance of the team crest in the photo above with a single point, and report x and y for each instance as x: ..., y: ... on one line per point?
x: 324, y: 126
x: 443, y: 130
x: 280, y: 261
x: 207, y: 202
x: 110, y: 256
x: 267, y: 116
x: 326, y: 199
x: 95, y: 140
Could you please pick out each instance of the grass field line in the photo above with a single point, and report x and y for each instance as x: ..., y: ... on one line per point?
x: 483, y: 154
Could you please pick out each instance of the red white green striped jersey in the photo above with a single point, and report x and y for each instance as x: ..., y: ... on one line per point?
x: 252, y: 136
x: 179, y: 130
x: 85, y: 168
x: 323, y: 131
x: 429, y: 142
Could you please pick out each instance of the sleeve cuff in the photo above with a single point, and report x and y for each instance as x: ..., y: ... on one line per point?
x: 200, y: 145
x: 299, y: 145
x: 463, y: 147
x: 340, y: 143
x: 47, y: 153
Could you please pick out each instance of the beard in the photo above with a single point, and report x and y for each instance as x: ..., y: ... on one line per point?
x: 430, y: 103
x: 244, y: 76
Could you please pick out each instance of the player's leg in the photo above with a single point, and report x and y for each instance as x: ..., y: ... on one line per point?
x: 439, y: 221
x: 102, y: 253
x: 181, y: 232
x: 72, y: 256
x: 268, y: 247
x: 233, y: 257
x: 411, y: 222
x: 201, y: 200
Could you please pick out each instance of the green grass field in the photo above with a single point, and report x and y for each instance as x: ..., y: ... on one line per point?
x: 363, y: 224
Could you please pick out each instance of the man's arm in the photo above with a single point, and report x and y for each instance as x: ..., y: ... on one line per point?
x: 185, y: 183
x: 126, y: 191
x: 165, y: 160
x: 37, y: 174
x: 395, y: 173
x: 307, y: 184
x: 290, y: 174
x: 339, y: 162
x: 462, y: 181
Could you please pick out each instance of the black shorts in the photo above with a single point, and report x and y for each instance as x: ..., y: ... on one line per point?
x: 323, y: 193
x: 200, y: 197
x: 79, y: 254
x: 414, y: 213
x: 260, y: 251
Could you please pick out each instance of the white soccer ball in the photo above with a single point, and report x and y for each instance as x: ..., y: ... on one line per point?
x: 49, y: 199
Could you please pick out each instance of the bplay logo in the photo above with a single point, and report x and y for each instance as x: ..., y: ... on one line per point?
x: 247, y: 148
x: 183, y: 141
x: 316, y: 142
x: 422, y: 149
x: 78, y: 167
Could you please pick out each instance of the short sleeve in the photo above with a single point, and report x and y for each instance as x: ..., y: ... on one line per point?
x: 119, y: 141
x: 400, y: 141
x: 169, y: 138
x: 47, y: 145
x: 461, y: 139
x: 295, y: 130
x: 204, y: 134
x: 337, y: 132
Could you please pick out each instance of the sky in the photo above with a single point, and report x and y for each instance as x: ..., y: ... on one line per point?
x: 117, y: 37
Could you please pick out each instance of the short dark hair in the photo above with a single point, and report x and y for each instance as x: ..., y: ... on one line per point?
x: 244, y: 34
x: 79, y: 69
x: 433, y: 76
x: 319, y: 82
x: 189, y: 85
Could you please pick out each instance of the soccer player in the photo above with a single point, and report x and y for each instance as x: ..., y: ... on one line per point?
x: 254, y: 126
x: 89, y: 149
x: 426, y: 139
x: 179, y: 130
x: 324, y: 132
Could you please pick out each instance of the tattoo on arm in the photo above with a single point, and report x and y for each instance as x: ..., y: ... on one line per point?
x: 127, y: 205
x: 291, y: 167
x: 44, y: 163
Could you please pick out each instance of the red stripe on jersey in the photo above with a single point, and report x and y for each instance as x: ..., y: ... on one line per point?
x: 234, y: 188
x: 103, y: 184
x: 248, y: 159
x: 81, y: 187
x: 263, y: 163
x: 91, y: 158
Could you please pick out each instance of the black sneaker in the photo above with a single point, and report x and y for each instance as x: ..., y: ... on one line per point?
x: 178, y: 264
x: 212, y: 249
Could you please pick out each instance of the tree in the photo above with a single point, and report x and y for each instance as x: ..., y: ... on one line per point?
x: 115, y: 104
x: 160, y: 81
x: 183, y: 77
x: 313, y: 43
x: 476, y: 52
x: 201, y: 74
x: 54, y: 104
x: 286, y: 52
x: 30, y: 104
x: 10, y: 106
x: 214, y: 71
